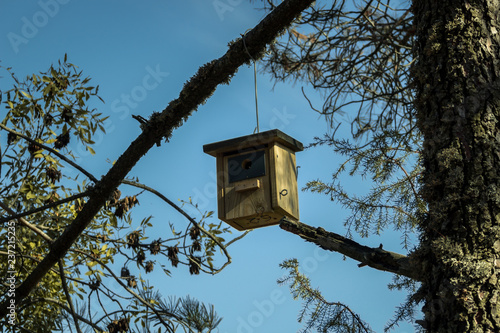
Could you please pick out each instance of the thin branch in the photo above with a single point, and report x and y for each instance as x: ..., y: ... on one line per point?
x: 25, y: 223
x: 65, y: 308
x: 68, y: 296
x: 130, y: 291
x: 367, y: 256
x: 55, y: 152
x: 304, y: 284
x: 415, y: 193
x: 39, y: 209
x: 237, y: 238
x: 186, y: 215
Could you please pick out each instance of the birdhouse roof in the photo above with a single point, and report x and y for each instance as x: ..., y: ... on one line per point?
x: 253, y: 140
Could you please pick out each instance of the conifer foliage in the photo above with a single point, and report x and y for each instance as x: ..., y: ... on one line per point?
x: 416, y: 83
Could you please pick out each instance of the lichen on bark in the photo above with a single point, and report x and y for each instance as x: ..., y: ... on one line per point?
x: 456, y: 84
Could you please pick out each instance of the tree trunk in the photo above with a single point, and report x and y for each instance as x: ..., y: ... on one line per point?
x: 458, y: 108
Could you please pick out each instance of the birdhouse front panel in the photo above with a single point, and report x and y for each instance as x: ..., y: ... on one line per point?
x: 256, y: 179
x: 246, y: 187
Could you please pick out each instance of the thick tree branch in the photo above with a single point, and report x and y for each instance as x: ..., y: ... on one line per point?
x: 367, y: 256
x: 161, y: 125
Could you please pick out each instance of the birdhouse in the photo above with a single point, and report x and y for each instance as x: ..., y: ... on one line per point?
x: 256, y: 179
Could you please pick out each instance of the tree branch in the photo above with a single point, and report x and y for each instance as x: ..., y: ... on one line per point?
x: 367, y: 256
x: 196, y: 91
x: 188, y: 217
x: 65, y: 308
x: 39, y: 209
x: 26, y: 223
x: 68, y: 296
x: 53, y: 151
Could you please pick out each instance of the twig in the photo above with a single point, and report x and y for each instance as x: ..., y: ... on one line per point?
x: 39, y: 209
x: 68, y: 296
x: 137, y: 296
x: 26, y: 223
x: 65, y: 308
x: 186, y: 215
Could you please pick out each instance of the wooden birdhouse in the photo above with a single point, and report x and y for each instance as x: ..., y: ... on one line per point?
x: 256, y: 179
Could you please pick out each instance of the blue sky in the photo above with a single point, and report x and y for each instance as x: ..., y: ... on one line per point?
x: 140, y: 54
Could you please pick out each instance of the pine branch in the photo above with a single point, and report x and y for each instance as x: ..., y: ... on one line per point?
x: 367, y: 256
x: 196, y: 91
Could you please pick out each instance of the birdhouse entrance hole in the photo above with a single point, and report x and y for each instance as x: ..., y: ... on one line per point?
x: 253, y: 174
x: 245, y: 166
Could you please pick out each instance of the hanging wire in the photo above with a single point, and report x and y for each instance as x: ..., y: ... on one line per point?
x: 255, y: 82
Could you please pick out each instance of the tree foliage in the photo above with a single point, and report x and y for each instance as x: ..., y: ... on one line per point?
x: 46, y: 112
x: 94, y: 214
x: 319, y: 314
x: 356, y: 55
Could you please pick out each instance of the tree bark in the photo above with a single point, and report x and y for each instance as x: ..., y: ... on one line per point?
x: 457, y: 88
x: 199, y: 88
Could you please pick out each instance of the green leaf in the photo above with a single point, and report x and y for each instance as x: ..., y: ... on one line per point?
x: 25, y: 94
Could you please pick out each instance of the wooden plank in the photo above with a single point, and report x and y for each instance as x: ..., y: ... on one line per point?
x: 256, y: 221
x: 221, y: 211
x: 253, y: 140
x: 247, y: 185
x: 284, y: 193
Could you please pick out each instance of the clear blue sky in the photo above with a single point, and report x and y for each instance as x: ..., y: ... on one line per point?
x: 146, y: 51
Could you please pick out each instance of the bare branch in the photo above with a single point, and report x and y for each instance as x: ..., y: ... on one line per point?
x: 367, y: 256
x: 68, y: 296
x: 65, y: 308
x: 147, y: 304
x: 26, y: 223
